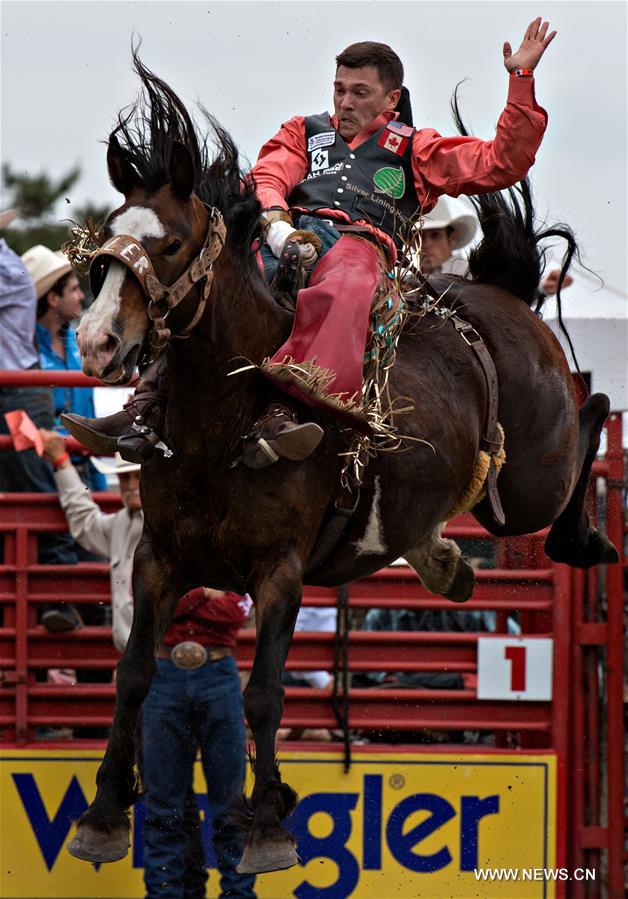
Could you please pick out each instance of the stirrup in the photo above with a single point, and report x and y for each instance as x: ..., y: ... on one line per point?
x: 256, y: 456
x: 294, y: 445
x: 141, y: 444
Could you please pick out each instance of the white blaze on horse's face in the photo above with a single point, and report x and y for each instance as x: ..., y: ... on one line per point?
x: 139, y: 222
x: 98, y: 336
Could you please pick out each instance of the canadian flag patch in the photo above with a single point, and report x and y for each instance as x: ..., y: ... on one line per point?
x: 393, y: 143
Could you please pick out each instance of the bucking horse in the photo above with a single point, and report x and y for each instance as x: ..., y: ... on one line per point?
x: 191, y: 218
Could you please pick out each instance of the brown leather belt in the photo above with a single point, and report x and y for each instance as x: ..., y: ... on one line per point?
x: 189, y: 654
x: 353, y: 229
x: 360, y: 230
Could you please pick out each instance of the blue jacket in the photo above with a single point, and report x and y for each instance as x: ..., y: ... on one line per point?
x: 68, y: 399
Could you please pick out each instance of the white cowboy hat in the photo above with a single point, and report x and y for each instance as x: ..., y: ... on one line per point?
x: 449, y: 212
x: 118, y: 466
x: 7, y: 217
x: 45, y: 267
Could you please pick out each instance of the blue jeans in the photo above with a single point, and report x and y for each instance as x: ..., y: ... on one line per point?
x: 183, y: 712
x: 321, y: 227
x: 26, y: 472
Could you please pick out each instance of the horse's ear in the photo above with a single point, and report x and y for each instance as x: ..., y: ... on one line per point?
x: 122, y: 174
x: 181, y: 169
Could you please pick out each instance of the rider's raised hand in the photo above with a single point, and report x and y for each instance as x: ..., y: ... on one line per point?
x: 534, y: 44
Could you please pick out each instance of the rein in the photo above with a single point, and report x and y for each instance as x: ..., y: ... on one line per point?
x: 162, y: 299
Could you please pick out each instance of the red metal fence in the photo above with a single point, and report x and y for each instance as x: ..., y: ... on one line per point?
x: 581, y: 612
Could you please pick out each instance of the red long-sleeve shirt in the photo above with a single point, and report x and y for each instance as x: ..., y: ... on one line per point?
x: 212, y: 621
x: 441, y: 165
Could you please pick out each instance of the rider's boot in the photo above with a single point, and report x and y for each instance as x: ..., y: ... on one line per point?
x: 278, y: 435
x: 134, y: 432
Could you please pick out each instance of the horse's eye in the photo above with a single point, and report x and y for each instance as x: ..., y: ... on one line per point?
x: 174, y: 247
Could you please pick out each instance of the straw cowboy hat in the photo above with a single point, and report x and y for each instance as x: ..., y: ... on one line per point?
x: 452, y: 213
x: 45, y: 267
x: 7, y: 217
x: 117, y: 466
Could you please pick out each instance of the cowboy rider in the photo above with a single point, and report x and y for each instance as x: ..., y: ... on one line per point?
x: 335, y: 190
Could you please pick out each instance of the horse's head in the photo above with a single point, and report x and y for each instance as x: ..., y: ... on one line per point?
x: 148, y: 262
x: 159, y: 246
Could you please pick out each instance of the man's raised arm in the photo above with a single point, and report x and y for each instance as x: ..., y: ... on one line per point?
x: 534, y: 44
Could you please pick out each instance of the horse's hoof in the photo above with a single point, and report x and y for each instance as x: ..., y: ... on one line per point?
x: 97, y: 846
x: 261, y: 857
x: 608, y: 553
x: 463, y: 584
x: 598, y: 550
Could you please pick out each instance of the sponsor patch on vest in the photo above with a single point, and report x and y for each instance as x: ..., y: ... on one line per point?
x: 326, y: 139
x: 400, y: 128
x: 320, y: 160
x: 392, y: 142
x: 390, y: 181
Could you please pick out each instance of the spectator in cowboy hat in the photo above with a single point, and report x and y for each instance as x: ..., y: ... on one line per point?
x: 59, y: 303
x: 195, y: 700
x: 25, y: 471
x: 450, y: 227
x: 446, y: 230
x: 46, y: 268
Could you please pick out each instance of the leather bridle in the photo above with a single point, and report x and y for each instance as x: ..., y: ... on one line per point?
x: 162, y: 299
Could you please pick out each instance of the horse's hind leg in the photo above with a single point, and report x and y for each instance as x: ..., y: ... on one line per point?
x: 103, y: 831
x: 268, y: 845
x: 439, y: 563
x: 572, y: 539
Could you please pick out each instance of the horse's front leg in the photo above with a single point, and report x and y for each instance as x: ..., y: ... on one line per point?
x: 103, y: 831
x: 268, y: 845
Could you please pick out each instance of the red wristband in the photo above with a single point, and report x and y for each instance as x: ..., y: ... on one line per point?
x: 59, y: 462
x: 524, y: 73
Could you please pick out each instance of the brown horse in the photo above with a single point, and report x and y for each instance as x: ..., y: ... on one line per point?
x: 207, y: 522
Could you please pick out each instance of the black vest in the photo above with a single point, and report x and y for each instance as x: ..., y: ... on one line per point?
x: 374, y: 182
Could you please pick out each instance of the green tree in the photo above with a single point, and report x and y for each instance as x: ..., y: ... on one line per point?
x: 92, y: 211
x: 50, y: 235
x: 35, y: 196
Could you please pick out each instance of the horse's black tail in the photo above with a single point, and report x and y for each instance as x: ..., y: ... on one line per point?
x: 509, y: 255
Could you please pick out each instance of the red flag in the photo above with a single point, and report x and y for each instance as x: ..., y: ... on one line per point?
x: 24, y: 431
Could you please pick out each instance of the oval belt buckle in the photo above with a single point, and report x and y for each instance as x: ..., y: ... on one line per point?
x: 188, y: 654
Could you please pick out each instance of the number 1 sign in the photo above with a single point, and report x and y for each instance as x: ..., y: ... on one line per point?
x: 515, y: 668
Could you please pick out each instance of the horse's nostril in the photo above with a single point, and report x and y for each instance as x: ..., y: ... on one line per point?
x: 109, y: 345
x: 104, y: 349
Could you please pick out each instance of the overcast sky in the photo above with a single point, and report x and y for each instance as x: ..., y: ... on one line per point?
x: 66, y: 72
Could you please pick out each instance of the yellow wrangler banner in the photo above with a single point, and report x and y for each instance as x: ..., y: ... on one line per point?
x: 418, y: 825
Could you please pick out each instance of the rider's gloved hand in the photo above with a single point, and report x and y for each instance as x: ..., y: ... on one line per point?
x: 307, y: 253
x: 279, y: 233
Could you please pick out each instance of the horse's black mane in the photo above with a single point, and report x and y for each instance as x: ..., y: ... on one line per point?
x: 146, y: 132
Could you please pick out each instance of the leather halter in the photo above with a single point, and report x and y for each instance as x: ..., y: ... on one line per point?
x: 162, y: 299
